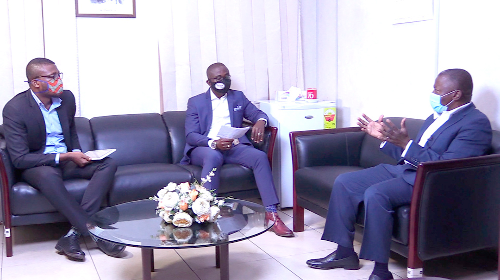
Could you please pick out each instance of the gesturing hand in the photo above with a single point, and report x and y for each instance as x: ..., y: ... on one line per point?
x: 395, y: 135
x: 373, y: 128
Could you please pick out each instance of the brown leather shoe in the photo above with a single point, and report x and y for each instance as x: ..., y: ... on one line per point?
x: 279, y: 227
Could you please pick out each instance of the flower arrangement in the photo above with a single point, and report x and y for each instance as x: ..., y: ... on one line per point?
x: 181, y: 204
x: 197, y: 234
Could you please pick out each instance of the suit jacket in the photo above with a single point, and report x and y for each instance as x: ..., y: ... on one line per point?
x: 466, y: 134
x: 25, y: 132
x: 199, y: 118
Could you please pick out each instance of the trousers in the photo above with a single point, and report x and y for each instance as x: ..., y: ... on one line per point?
x: 381, y: 189
x: 49, y: 181
x: 241, y: 154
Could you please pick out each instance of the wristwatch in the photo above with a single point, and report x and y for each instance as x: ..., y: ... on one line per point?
x: 213, y: 145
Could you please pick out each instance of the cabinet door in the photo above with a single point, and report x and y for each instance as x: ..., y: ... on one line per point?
x: 296, y: 120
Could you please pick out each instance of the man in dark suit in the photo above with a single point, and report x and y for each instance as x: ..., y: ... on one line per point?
x: 43, y: 144
x: 205, y: 115
x: 456, y: 130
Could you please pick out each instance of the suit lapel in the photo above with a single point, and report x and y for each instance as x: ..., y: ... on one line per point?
x: 63, y: 119
x: 34, y: 111
x: 452, y: 120
x: 230, y: 105
x: 207, y: 105
x: 424, y: 127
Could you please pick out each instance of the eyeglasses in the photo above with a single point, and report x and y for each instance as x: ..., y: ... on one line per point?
x: 220, y: 78
x: 53, y: 77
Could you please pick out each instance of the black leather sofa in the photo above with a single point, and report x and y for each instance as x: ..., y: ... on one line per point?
x: 148, y: 147
x: 455, y: 203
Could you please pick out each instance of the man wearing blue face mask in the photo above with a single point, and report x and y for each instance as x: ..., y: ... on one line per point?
x: 42, y: 142
x: 455, y: 130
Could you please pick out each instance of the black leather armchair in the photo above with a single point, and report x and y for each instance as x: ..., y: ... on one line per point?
x: 455, y: 203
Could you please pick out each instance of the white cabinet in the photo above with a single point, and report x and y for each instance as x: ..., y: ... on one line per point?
x: 293, y: 116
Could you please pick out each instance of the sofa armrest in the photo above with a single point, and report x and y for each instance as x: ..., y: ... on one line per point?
x: 267, y: 144
x: 325, y: 147
x: 455, y: 207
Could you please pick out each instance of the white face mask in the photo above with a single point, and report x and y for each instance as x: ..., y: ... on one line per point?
x: 436, y: 102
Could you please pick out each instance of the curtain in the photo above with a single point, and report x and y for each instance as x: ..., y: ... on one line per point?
x: 21, y: 34
x: 36, y: 28
x: 258, y: 40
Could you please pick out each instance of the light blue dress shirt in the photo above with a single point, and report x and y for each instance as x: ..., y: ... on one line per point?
x: 55, y: 138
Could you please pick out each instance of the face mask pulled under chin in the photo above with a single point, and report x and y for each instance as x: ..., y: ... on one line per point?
x: 55, y: 86
x: 222, y: 86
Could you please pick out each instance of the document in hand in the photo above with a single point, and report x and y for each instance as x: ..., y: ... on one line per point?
x: 99, y: 154
x: 232, y: 132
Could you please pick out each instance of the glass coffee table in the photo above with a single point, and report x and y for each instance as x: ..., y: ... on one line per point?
x: 136, y: 224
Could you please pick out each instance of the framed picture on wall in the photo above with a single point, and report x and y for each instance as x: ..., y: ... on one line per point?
x: 105, y: 8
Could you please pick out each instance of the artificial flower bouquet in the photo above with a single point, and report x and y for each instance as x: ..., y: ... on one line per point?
x: 181, y: 204
x: 197, y: 234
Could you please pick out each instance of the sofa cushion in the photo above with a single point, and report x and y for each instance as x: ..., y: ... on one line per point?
x: 175, y: 121
x: 138, y: 139
x: 140, y: 181
x: 315, y: 183
x: 84, y: 132
x: 23, y: 195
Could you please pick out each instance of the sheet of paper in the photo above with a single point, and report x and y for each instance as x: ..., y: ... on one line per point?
x: 99, y: 154
x: 232, y: 132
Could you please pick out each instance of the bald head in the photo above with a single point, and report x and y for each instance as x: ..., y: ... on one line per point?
x: 461, y: 80
x: 34, y: 66
x: 214, y: 67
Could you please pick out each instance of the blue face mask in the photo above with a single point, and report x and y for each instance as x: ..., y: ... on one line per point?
x: 436, y: 102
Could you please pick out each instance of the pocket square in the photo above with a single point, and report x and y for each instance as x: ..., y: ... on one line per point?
x: 237, y: 108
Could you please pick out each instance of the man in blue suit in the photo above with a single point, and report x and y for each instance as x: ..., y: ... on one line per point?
x: 206, y: 114
x: 455, y: 130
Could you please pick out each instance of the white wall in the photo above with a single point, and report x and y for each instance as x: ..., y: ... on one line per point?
x: 118, y: 63
x: 384, y: 68
x: 353, y: 53
x: 469, y: 39
x: 389, y: 69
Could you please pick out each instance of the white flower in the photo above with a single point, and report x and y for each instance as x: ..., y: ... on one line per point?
x: 182, y: 219
x: 166, y: 216
x: 214, y: 214
x: 162, y: 192
x: 171, y: 186
x: 200, y: 206
x: 206, y: 195
x: 185, y: 187
x: 169, y: 200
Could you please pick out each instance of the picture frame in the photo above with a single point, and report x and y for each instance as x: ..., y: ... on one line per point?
x: 105, y: 8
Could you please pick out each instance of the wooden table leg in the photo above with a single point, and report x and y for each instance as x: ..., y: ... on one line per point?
x: 217, y: 257
x: 147, y: 261
x: 224, y: 261
x: 152, y: 261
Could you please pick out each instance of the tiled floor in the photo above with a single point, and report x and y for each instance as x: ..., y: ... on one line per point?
x: 263, y: 257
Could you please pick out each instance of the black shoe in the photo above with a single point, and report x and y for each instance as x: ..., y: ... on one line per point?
x: 329, y: 262
x: 109, y: 248
x: 70, y: 246
x: 376, y: 277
